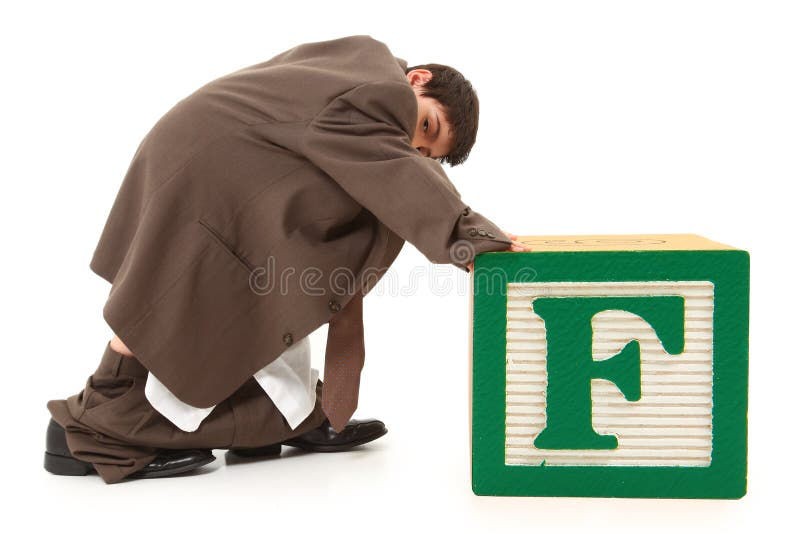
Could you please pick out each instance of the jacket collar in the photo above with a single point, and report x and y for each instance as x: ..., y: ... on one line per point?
x: 403, y: 64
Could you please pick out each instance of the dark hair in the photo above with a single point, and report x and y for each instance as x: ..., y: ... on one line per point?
x: 460, y: 102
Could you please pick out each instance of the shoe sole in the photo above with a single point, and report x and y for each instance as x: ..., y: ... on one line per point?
x: 64, y: 466
x: 336, y: 448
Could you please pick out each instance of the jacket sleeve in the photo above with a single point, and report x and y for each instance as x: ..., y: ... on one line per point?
x: 361, y: 140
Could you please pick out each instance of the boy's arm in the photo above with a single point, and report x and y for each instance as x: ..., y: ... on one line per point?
x: 361, y: 141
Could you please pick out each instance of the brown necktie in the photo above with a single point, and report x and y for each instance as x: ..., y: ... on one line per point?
x: 344, y: 359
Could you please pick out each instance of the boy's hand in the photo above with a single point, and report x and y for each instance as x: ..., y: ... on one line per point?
x: 516, y: 246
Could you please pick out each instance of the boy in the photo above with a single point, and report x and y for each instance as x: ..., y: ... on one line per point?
x: 264, y: 204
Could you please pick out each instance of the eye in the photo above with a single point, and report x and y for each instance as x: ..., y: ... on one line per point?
x: 425, y: 126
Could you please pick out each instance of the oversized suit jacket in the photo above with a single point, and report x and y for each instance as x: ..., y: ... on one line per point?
x: 255, y: 206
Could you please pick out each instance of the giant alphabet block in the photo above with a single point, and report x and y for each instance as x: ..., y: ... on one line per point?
x: 610, y: 366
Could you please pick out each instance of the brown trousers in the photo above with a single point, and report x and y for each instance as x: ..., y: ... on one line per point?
x: 112, y: 425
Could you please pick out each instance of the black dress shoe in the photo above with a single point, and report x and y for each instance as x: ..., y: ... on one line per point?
x: 59, y: 461
x: 269, y: 450
x: 325, y: 439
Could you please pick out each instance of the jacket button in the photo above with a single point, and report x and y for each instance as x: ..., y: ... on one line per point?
x: 490, y: 234
x: 465, y: 212
x: 288, y: 339
x: 334, y: 306
x: 473, y: 231
x: 482, y: 232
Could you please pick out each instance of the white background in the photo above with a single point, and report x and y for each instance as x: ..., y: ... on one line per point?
x: 597, y: 117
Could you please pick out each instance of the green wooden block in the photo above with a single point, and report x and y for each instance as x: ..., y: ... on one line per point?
x: 610, y: 366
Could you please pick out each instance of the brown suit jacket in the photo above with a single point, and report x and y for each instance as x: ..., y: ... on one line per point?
x: 254, y: 207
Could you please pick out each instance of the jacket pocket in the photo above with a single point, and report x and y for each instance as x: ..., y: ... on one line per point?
x: 246, y: 265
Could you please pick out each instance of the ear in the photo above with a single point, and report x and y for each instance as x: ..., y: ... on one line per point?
x: 418, y: 77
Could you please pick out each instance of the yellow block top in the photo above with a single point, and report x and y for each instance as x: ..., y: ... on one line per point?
x: 551, y: 243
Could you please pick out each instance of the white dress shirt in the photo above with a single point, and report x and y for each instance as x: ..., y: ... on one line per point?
x: 289, y: 381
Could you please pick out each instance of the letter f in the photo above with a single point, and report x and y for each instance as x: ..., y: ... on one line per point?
x: 571, y: 366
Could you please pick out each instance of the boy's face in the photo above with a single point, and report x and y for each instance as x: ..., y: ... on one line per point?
x: 433, y: 136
